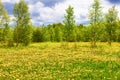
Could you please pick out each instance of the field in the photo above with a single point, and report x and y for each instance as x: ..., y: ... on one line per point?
x: 60, y: 61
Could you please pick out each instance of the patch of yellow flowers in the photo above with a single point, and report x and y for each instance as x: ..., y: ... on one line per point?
x: 39, y: 60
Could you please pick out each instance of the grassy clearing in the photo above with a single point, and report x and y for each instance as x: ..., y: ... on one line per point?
x: 55, y: 61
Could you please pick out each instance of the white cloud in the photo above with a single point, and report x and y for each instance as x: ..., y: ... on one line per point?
x: 11, y: 1
x: 12, y: 20
x: 56, y: 13
x: 106, y: 5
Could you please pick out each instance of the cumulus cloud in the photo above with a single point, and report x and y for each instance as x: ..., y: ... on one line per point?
x: 48, y: 3
x: 56, y: 13
x: 107, y: 4
x: 11, y: 1
x: 52, y: 11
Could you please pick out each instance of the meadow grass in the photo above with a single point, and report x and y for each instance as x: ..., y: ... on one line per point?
x: 60, y: 61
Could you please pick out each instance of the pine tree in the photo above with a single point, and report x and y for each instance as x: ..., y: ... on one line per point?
x: 22, y: 32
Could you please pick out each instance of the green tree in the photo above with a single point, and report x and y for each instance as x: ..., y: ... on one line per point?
x: 87, y: 33
x: 4, y: 20
x: 27, y: 36
x: 46, y: 34
x: 4, y: 17
x: 51, y: 32
x: 80, y: 32
x: 111, y: 18
x: 58, y: 32
x: 38, y: 35
x: 101, y: 32
x: 95, y: 17
x: 22, y: 32
x: 69, y: 24
x: 8, y: 35
x: 118, y: 31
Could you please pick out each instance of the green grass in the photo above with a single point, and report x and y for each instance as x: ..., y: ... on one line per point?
x: 51, y: 61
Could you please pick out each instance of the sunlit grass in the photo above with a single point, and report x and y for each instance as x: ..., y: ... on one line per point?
x: 60, y: 61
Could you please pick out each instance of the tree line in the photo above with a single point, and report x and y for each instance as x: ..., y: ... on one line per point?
x: 101, y: 28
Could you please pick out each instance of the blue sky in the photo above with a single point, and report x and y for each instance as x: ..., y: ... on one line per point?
x: 52, y: 11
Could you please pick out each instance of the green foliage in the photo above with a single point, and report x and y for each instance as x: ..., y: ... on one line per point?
x: 111, y: 18
x: 87, y: 33
x: 38, y: 35
x: 118, y: 31
x: 6, y: 32
x: 69, y: 24
x: 46, y: 34
x: 58, y: 32
x: 1, y: 34
x: 95, y: 17
x: 22, y: 32
x: 95, y: 12
x: 27, y: 36
x: 51, y: 32
x: 101, y: 32
x: 82, y: 33
x: 99, y: 29
x: 8, y: 35
x: 4, y: 19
